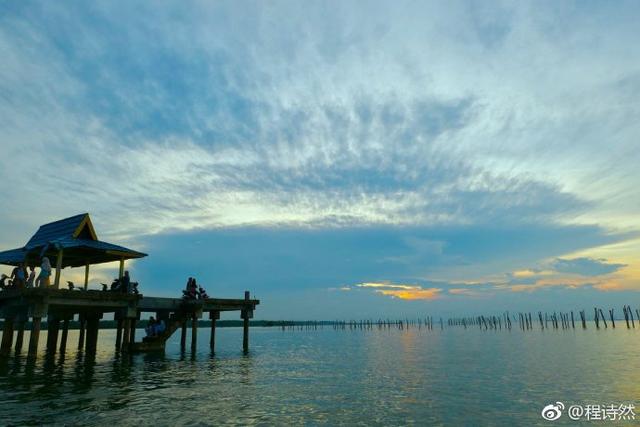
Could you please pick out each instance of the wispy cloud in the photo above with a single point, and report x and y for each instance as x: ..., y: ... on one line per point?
x: 585, y: 266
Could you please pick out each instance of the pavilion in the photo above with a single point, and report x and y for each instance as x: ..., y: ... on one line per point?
x: 69, y: 242
x: 72, y: 242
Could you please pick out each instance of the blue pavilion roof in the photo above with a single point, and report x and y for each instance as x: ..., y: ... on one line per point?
x: 77, y: 239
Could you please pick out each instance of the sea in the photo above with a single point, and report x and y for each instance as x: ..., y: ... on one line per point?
x: 337, y: 377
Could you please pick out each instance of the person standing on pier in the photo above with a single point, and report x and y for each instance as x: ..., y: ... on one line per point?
x: 19, y: 276
x: 125, y: 283
x: 32, y: 276
x: 45, y: 273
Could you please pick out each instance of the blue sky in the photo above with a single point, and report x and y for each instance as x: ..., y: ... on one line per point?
x: 338, y: 159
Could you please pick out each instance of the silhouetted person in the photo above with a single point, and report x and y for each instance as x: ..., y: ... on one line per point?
x: 125, y: 283
x: 150, y: 328
x: 19, y: 276
x: 45, y: 273
x: 32, y: 277
x: 3, y: 282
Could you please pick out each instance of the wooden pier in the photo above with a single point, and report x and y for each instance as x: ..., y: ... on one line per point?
x: 59, y: 306
x: 73, y: 242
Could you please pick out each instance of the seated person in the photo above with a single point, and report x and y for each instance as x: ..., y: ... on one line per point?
x: 159, y: 327
x: 192, y: 289
x: 202, y: 293
x: 150, y: 328
x: 3, y: 282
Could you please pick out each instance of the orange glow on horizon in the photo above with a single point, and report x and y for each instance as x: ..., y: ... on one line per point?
x: 412, y: 294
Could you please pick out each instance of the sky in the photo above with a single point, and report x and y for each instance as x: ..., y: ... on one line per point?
x: 338, y: 159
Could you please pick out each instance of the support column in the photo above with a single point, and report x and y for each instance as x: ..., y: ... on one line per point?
x: 65, y: 334
x: 83, y: 327
x: 34, y: 337
x: 194, y: 333
x: 52, y: 334
x: 20, y: 336
x: 121, y: 272
x: 245, y: 331
x: 86, y: 276
x: 126, y: 330
x: 119, y: 334
x: 246, y: 314
x: 93, y: 325
x: 183, y: 335
x: 132, y: 332
x: 56, y: 283
x: 7, y: 338
x: 213, y: 315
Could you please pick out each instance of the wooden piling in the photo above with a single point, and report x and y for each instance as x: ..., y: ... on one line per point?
x: 52, y: 334
x: 7, y: 338
x: 132, y: 332
x: 93, y: 325
x: 213, y: 315
x: 245, y: 325
x: 613, y: 322
x: 194, y: 333
x: 83, y: 327
x: 126, y: 331
x: 19, y: 337
x: 65, y: 334
x: 245, y: 332
x: 34, y: 337
x: 183, y: 335
x: 119, y: 334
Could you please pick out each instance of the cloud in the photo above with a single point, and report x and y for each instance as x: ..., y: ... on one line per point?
x: 412, y: 294
x: 586, y: 266
x: 205, y: 127
x: 312, y: 145
x: 468, y: 292
x: 404, y: 292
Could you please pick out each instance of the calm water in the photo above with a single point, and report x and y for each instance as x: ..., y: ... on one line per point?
x: 327, y: 377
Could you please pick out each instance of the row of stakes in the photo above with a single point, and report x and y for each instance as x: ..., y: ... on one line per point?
x: 525, y: 321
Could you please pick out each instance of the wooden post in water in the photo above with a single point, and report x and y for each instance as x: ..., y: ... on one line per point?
x: 34, y: 337
x: 7, y: 337
x: 65, y: 334
x: 126, y: 330
x: 194, y: 333
x: 213, y: 315
x: 52, y: 334
x: 183, y: 335
x: 20, y: 335
x: 245, y: 324
x: 83, y: 327
x: 93, y: 325
x: 118, y: 334
x: 132, y: 332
